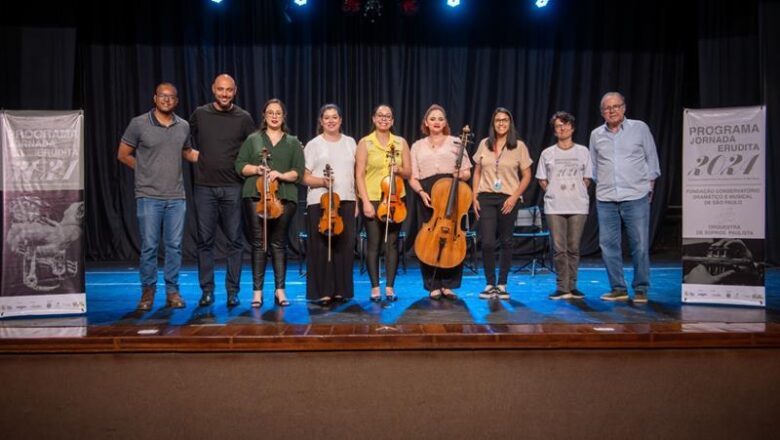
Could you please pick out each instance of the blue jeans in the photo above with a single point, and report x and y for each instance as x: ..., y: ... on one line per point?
x: 219, y: 205
x: 156, y: 216
x: 634, y: 217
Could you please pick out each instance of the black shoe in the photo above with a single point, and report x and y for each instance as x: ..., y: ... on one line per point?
x: 576, y: 294
x: 392, y: 297
x: 559, y: 294
x: 206, y: 299
x: 281, y: 303
x: 502, y: 292
x: 324, y: 302
x: 233, y: 300
x: 489, y: 292
x: 339, y: 299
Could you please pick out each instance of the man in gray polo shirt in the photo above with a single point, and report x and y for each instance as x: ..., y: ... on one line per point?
x: 153, y: 145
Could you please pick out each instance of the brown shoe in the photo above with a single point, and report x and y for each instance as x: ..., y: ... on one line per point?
x: 147, y: 298
x: 174, y: 301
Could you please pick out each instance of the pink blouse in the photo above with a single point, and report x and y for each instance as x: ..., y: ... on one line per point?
x: 428, y: 161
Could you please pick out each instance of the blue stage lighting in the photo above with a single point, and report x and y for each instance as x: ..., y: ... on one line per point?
x: 453, y: 3
x: 216, y: 1
x: 541, y: 3
x: 300, y: 2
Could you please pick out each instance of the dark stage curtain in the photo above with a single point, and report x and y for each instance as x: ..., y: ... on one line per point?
x: 663, y: 56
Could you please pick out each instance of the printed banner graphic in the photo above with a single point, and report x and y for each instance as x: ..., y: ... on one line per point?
x: 724, y: 153
x: 43, y: 213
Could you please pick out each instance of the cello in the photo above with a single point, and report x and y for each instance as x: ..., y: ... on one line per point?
x: 391, y: 209
x: 269, y: 205
x: 441, y: 242
x: 331, y: 223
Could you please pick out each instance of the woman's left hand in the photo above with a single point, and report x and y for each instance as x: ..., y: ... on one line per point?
x: 509, y: 205
x: 273, y: 175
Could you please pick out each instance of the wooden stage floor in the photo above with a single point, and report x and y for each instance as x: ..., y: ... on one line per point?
x: 529, y: 320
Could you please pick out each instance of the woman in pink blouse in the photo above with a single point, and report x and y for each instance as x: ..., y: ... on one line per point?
x: 434, y: 157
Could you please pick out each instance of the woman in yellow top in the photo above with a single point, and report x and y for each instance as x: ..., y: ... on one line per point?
x: 502, y: 172
x: 373, y: 165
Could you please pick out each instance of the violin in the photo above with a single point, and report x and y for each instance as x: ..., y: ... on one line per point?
x: 441, y: 242
x: 269, y: 205
x: 331, y: 223
x: 392, y: 209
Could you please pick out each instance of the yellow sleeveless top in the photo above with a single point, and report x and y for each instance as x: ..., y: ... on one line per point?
x: 378, y: 164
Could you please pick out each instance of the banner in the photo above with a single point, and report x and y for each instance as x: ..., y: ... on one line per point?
x: 42, y: 174
x: 724, y: 153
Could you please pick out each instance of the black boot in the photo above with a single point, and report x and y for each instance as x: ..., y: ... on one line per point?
x: 233, y: 300
x: 206, y: 299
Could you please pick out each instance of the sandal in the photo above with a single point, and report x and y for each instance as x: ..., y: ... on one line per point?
x: 281, y: 302
x: 449, y: 294
x: 375, y: 295
x: 257, y: 301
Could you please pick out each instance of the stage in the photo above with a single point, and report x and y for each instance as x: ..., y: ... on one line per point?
x: 529, y: 320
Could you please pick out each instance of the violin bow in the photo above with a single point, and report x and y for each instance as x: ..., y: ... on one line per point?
x: 391, y: 155
x: 266, y: 186
x: 328, y: 174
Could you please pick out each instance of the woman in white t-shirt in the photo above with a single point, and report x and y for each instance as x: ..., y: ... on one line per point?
x: 327, y: 281
x: 564, y: 173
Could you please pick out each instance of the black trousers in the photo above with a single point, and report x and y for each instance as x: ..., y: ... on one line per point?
x: 375, y: 232
x: 435, y: 277
x: 277, y: 242
x: 491, y: 220
x: 334, y: 277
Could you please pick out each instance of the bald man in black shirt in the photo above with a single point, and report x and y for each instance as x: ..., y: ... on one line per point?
x: 218, y: 130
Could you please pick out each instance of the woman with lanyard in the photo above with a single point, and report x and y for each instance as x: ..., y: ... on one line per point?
x: 502, y: 172
x: 330, y: 257
x: 285, y: 166
x: 374, y: 154
x: 434, y: 157
x: 564, y: 173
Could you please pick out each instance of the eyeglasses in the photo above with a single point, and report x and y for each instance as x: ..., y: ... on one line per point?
x: 501, y: 120
x: 561, y: 126
x: 167, y: 97
x: 612, y: 108
x: 384, y: 117
x: 274, y: 114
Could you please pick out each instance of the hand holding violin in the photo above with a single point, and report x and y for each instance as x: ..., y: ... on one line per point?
x: 326, y: 181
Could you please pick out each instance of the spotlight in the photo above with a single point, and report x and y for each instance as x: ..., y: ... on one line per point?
x: 372, y: 10
x: 541, y: 3
x: 216, y: 1
x: 300, y: 2
x: 453, y: 3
